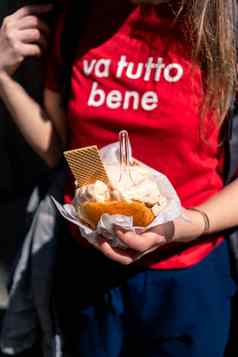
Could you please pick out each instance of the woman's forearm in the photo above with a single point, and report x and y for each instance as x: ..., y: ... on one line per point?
x: 30, y: 118
x: 222, y: 209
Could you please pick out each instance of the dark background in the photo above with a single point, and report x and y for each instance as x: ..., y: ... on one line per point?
x: 20, y: 171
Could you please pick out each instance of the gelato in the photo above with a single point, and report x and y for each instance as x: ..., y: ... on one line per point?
x: 134, y: 193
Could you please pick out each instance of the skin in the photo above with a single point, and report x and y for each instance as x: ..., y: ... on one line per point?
x: 22, y: 35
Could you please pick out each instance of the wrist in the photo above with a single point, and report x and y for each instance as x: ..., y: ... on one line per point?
x: 189, y: 228
x: 206, y: 220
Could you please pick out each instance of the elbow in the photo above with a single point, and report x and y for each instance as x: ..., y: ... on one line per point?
x: 52, y: 162
x: 53, y: 152
x: 52, y: 158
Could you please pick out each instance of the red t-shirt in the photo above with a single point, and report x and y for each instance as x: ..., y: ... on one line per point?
x: 136, y: 74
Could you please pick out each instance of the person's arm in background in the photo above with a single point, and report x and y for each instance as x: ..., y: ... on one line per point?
x: 22, y: 35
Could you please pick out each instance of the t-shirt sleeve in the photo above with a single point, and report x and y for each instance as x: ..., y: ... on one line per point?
x: 53, y: 59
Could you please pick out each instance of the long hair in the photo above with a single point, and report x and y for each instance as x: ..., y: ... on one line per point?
x: 211, y: 26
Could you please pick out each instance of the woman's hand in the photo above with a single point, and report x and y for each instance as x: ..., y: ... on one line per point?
x: 180, y: 230
x: 22, y: 34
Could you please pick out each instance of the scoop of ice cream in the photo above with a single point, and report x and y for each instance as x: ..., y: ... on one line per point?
x: 97, y: 192
x: 137, y: 184
x: 146, y: 191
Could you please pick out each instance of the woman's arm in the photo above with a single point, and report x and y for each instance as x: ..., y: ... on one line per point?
x: 222, y: 209
x: 23, y: 34
x: 39, y: 127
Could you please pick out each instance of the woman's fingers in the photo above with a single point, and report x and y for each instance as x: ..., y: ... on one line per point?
x: 140, y: 255
x: 32, y: 10
x: 29, y: 50
x: 22, y: 34
x: 33, y: 36
x: 31, y: 22
x: 124, y: 257
x: 141, y: 243
x: 138, y: 246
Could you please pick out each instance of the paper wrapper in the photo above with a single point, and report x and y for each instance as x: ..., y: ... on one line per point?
x: 173, y: 209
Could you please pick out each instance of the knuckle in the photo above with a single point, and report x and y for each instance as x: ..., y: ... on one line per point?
x: 104, y: 249
x: 25, y: 10
x: 11, y: 38
x: 6, y: 21
x: 16, y: 48
x: 8, y: 35
x: 7, y: 28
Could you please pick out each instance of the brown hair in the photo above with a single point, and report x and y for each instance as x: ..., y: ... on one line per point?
x: 213, y: 37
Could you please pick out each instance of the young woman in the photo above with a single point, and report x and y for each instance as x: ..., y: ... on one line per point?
x: 166, y: 72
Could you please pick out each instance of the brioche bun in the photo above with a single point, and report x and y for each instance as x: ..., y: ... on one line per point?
x: 91, y: 212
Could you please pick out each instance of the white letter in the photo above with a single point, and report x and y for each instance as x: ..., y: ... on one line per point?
x: 114, y: 99
x: 149, y: 101
x: 120, y: 66
x: 88, y: 67
x: 159, y: 66
x: 175, y: 78
x: 133, y: 95
x: 149, y: 66
x: 104, y: 71
x: 97, y: 96
x: 138, y: 73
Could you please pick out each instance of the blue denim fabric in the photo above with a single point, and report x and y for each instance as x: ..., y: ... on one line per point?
x: 108, y: 310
